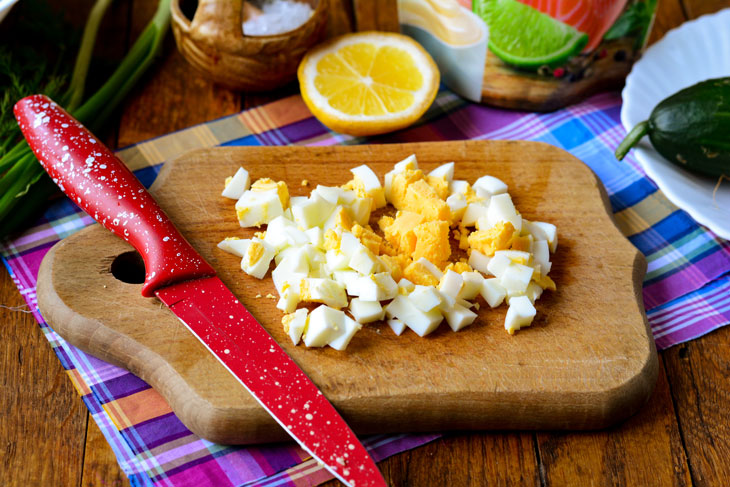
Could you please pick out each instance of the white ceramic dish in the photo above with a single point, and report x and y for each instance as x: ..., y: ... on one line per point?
x: 5, y: 6
x: 693, y: 52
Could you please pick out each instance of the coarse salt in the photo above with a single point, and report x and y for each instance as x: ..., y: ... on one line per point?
x: 277, y: 17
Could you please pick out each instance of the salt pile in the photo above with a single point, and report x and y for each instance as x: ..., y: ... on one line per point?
x: 277, y: 17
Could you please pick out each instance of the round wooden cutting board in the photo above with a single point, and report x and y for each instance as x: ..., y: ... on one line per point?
x: 588, y: 360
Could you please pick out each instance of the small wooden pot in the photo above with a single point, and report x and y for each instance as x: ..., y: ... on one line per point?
x: 213, y: 42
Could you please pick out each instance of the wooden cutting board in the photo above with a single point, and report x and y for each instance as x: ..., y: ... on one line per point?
x: 588, y: 360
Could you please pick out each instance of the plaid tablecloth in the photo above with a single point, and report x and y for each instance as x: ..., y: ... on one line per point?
x: 686, y: 290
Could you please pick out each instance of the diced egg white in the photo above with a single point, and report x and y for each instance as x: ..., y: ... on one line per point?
x: 344, y: 336
x: 425, y: 298
x: 312, y: 212
x: 457, y: 204
x: 315, y: 236
x: 325, y: 324
x: 520, y: 314
x: 487, y: 186
x: 430, y: 267
x: 459, y: 316
x: 501, y: 209
x: 371, y: 183
x: 336, y: 260
x: 255, y: 208
x: 498, y: 264
x: 387, y: 287
x: 516, y: 277
x: 541, y: 256
x: 474, y: 211
x: 421, y: 322
x: 364, y: 262
x: 409, y: 162
x: 366, y: 311
x: 472, y: 285
x: 493, y: 292
x: 322, y: 290
x: 479, y: 261
x: 459, y: 186
x: 444, y: 171
x: 259, y: 254
x: 239, y: 183
x: 397, y: 326
x: 296, y: 323
x: 451, y: 283
x: 405, y: 286
x: 235, y: 246
x: 288, y: 299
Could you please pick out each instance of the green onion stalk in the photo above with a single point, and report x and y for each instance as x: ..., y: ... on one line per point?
x: 25, y: 186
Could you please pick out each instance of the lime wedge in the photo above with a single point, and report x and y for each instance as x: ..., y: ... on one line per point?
x: 525, y: 37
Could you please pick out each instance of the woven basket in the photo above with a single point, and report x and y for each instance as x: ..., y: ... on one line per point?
x: 213, y: 42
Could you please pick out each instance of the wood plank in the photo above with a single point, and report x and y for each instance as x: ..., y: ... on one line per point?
x: 645, y: 450
x: 698, y: 376
x: 696, y: 8
x: 43, y: 419
x: 468, y: 460
x: 171, y: 96
x: 669, y: 14
x: 379, y: 15
x: 100, y: 463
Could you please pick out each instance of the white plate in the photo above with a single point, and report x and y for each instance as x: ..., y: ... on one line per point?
x: 5, y: 6
x: 693, y: 52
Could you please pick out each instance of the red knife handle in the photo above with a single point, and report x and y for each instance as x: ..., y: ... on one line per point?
x: 94, y: 178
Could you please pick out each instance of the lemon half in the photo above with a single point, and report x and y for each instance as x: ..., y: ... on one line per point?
x: 368, y: 83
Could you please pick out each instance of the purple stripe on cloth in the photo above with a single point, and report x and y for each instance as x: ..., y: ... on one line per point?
x: 157, y: 431
x: 303, y: 130
x: 201, y: 472
x: 119, y: 387
x: 685, y: 281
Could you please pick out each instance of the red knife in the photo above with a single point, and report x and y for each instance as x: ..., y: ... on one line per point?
x: 92, y: 176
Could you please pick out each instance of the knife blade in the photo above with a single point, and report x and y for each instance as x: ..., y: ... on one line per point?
x: 95, y: 179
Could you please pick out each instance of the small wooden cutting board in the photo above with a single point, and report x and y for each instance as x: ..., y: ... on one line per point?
x: 588, y: 360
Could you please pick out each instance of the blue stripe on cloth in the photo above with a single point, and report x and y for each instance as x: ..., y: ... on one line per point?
x: 247, y: 140
x: 631, y: 194
x: 675, y: 226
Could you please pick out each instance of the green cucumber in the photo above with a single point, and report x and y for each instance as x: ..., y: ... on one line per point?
x: 690, y: 128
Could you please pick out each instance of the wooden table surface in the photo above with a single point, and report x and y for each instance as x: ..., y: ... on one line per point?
x: 681, y: 437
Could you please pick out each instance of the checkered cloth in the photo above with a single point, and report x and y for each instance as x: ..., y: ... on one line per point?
x: 686, y: 289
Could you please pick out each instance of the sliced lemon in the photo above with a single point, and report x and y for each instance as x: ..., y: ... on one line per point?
x: 368, y: 83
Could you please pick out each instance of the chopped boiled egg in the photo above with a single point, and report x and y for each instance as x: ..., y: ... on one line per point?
x: 397, y: 326
x: 255, y: 208
x: 445, y: 171
x: 312, y: 211
x: 326, y: 252
x: 344, y: 335
x: 425, y: 298
x: 493, y: 292
x: 258, y: 256
x: 236, y: 185
x: 421, y: 322
x: 325, y: 324
x: 366, y: 311
x: 520, y: 314
x: 295, y: 323
x: 367, y: 183
x: 326, y: 291
x: 234, y: 245
x: 488, y: 186
x: 501, y: 209
x: 458, y: 316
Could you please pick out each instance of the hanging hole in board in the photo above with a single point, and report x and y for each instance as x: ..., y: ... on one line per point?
x: 129, y: 267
